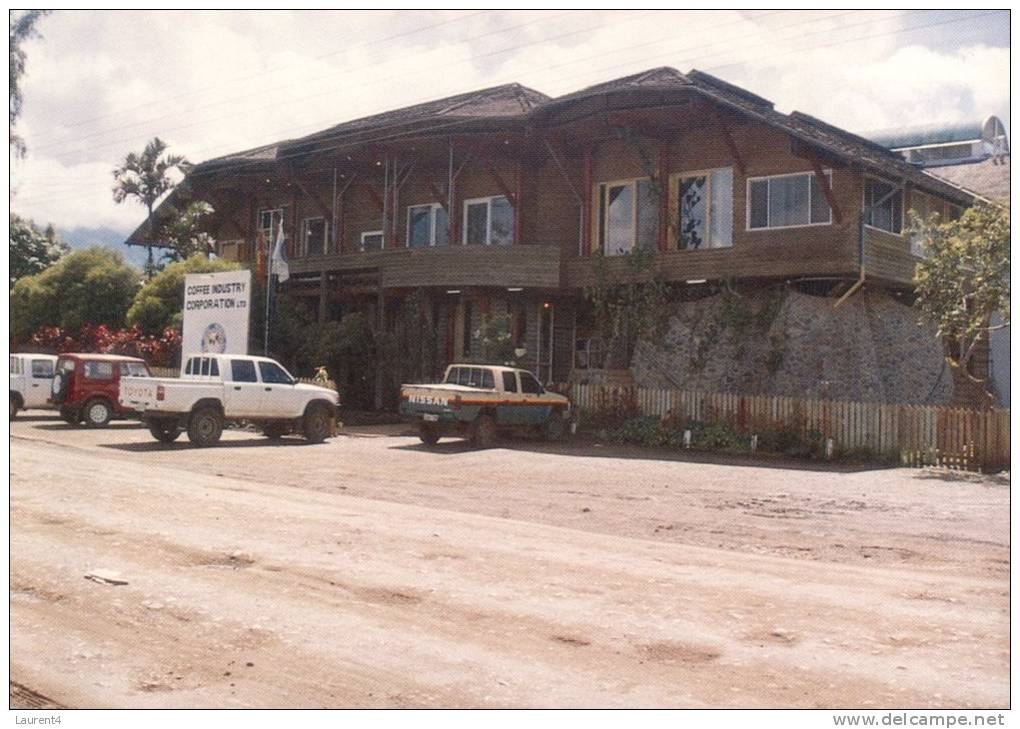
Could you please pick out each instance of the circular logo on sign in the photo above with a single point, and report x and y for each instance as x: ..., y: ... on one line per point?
x: 214, y: 339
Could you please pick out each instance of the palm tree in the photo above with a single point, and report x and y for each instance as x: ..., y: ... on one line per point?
x: 146, y: 177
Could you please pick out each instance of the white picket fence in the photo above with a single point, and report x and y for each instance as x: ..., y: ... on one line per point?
x: 917, y: 434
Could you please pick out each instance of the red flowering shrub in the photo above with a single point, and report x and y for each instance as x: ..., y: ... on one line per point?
x: 159, y: 351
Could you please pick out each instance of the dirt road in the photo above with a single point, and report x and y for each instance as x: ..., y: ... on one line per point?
x: 370, y: 572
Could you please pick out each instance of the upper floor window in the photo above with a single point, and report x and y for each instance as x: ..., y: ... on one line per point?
x: 427, y: 225
x: 787, y: 201
x: 313, y: 237
x: 704, y: 209
x: 371, y: 240
x: 628, y: 216
x: 269, y: 224
x: 883, y: 205
x: 489, y: 221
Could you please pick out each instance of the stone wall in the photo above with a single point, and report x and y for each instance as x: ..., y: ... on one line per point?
x: 782, y: 342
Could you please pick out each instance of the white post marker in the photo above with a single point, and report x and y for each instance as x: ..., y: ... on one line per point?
x: 687, y: 439
x: 754, y: 443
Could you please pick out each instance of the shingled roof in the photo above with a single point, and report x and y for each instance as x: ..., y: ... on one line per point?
x: 803, y: 127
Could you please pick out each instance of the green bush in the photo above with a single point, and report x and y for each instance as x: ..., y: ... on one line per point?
x: 160, y: 301
x: 91, y: 286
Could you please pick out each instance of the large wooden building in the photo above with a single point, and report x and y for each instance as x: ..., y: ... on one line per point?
x: 505, y: 200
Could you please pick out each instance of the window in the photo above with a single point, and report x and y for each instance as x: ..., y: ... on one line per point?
x: 427, y: 225
x: 628, y: 216
x: 704, y: 210
x: 98, y: 370
x: 883, y: 205
x: 133, y: 369
x: 242, y: 370
x: 529, y: 385
x: 371, y: 240
x: 15, y: 366
x: 488, y: 381
x: 488, y: 221
x: 787, y: 201
x: 42, y: 368
x: 313, y: 237
x: 269, y: 224
x: 509, y: 382
x: 274, y: 374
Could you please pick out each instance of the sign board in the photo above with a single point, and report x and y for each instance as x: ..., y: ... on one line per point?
x: 216, y: 312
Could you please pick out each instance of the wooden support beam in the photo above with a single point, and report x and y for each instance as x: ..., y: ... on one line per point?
x: 664, y: 198
x: 326, y: 211
x: 589, y: 244
x: 503, y: 187
x: 374, y: 194
x: 731, y: 145
x: 823, y: 182
x: 439, y: 196
x: 518, y: 195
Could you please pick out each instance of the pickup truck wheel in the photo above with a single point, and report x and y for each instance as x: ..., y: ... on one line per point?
x: 485, y: 432
x: 14, y: 407
x: 553, y: 430
x: 70, y: 415
x: 205, y: 427
x: 428, y: 435
x: 98, y: 413
x: 316, y: 424
x: 164, y: 432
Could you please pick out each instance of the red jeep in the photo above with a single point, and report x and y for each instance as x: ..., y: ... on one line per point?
x: 86, y: 386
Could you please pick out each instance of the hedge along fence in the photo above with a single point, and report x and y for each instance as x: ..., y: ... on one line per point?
x: 917, y: 435
x: 175, y: 372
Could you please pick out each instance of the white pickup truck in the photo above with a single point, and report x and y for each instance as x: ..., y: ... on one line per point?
x: 217, y: 388
x: 31, y: 375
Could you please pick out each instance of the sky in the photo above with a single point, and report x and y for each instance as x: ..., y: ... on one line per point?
x: 99, y: 84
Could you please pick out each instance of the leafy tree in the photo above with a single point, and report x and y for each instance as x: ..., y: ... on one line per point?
x: 32, y: 250
x: 22, y: 28
x: 159, y: 302
x: 91, y: 286
x: 964, y: 278
x: 182, y: 231
x: 146, y: 178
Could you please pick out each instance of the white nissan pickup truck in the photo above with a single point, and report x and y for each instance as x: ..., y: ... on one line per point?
x: 216, y: 388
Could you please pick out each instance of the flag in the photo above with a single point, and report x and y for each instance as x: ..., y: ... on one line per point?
x: 278, y: 266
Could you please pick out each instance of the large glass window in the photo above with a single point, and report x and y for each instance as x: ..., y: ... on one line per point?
x: 427, y: 225
x: 628, y: 216
x: 705, y: 210
x: 313, y: 237
x: 489, y: 221
x: 529, y: 385
x: 883, y: 205
x: 269, y: 224
x: 787, y: 201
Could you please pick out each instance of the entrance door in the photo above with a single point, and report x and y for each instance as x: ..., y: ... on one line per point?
x: 544, y: 357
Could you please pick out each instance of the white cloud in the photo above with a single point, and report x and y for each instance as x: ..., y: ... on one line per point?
x: 100, y: 84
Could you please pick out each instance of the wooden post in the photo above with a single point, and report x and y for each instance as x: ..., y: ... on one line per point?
x: 589, y: 244
x: 664, y: 198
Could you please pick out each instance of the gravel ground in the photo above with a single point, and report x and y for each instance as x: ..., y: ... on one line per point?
x: 370, y: 571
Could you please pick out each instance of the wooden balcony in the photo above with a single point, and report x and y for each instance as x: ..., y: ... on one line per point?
x: 531, y: 266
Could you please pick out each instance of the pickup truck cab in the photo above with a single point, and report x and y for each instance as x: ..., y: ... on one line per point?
x: 216, y: 388
x: 482, y: 401
x: 85, y: 386
x: 31, y: 376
